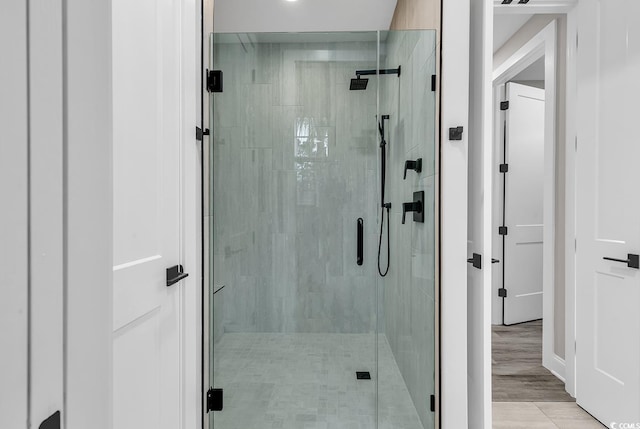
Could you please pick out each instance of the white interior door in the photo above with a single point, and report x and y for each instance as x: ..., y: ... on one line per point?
x: 146, y: 164
x: 608, y: 211
x: 523, y: 205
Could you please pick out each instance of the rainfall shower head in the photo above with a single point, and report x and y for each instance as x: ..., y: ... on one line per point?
x: 358, y: 84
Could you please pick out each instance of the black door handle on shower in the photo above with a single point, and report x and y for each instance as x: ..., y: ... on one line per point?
x: 359, y: 258
x: 632, y: 261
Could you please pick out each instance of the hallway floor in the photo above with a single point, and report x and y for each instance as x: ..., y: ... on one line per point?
x: 525, y: 394
x: 542, y: 415
x: 300, y: 381
x: 518, y: 374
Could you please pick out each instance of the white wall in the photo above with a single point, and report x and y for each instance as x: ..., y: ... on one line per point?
x: 505, y: 26
x: 532, y: 27
x: 249, y: 16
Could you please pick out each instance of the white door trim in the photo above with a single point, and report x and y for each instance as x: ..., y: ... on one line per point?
x: 537, y: 7
x: 453, y: 214
x: 481, y: 153
x: 190, y: 217
x: 570, y: 203
x: 46, y: 153
x: 543, y: 44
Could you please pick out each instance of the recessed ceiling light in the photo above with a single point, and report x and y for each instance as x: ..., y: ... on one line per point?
x: 291, y: 0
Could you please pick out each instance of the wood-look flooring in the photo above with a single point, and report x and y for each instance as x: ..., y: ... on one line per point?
x: 518, y: 374
x: 525, y: 394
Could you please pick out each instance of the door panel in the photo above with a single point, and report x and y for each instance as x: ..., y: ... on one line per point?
x: 146, y: 161
x: 523, y: 204
x: 138, y: 346
x: 608, y: 292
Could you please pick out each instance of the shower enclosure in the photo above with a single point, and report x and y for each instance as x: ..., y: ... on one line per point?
x: 302, y: 331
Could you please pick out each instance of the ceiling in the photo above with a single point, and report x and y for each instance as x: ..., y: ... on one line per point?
x: 505, y: 26
x: 267, y: 16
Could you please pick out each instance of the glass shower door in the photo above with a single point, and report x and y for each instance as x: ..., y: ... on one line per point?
x: 303, y: 331
x: 292, y: 188
x: 407, y: 334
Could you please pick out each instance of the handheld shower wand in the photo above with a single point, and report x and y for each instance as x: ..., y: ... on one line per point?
x: 383, y: 204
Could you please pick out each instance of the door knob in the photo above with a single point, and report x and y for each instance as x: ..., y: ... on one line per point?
x: 632, y: 261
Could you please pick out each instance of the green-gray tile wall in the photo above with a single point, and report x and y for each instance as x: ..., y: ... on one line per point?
x: 295, y: 166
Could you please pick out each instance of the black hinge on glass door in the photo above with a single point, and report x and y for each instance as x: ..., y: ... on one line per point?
x: 214, y: 80
x: 214, y: 399
x: 200, y: 133
x: 433, y: 403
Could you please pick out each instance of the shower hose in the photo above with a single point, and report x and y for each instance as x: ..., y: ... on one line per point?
x: 384, y: 205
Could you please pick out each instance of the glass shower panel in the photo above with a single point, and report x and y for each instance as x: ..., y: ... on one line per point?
x: 407, y: 336
x: 293, y: 167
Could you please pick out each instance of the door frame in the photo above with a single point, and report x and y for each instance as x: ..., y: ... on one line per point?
x: 454, y: 112
x: 190, y: 222
x: 542, y: 45
x: 567, y: 7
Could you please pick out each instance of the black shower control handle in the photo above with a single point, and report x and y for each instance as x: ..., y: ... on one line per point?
x: 412, y: 165
x: 416, y: 206
x: 410, y: 207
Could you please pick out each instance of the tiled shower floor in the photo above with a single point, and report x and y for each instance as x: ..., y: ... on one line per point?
x: 300, y: 381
